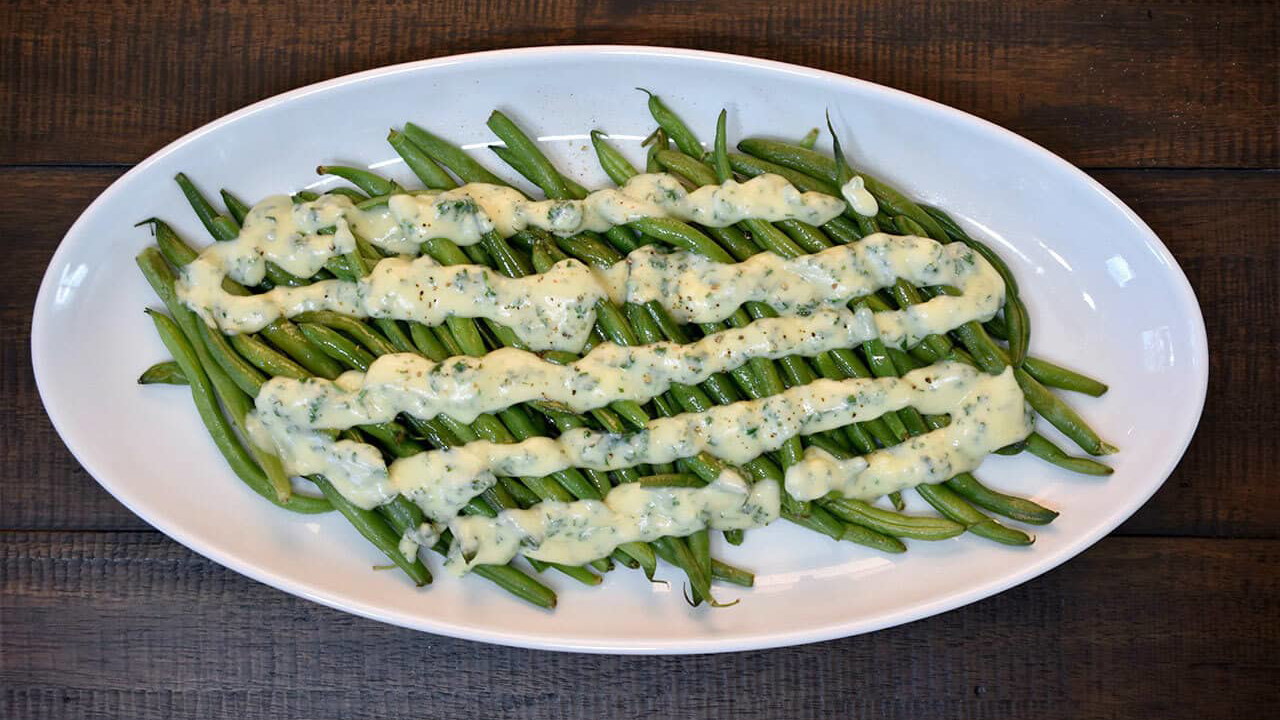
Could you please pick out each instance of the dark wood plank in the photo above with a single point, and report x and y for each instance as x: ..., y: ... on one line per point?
x: 131, y: 625
x: 1104, y: 82
x: 1221, y: 227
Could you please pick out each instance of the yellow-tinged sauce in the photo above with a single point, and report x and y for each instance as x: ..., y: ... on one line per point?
x: 555, y: 310
x: 302, y: 237
x: 578, y: 532
x: 987, y: 412
x: 859, y: 198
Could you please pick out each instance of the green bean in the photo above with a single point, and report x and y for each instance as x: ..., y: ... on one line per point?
x: 235, y: 206
x: 918, y: 527
x: 215, y: 422
x: 232, y: 396
x: 290, y: 339
x: 1010, y: 506
x: 657, y: 142
x: 360, y: 332
x: 393, y: 333
x: 451, y: 156
x: 673, y: 126
x: 614, y: 164
x: 518, y: 584
x: 778, y: 243
x: 542, y: 173
x: 676, y: 551
x: 1061, y: 415
x: 752, y: 166
x: 1042, y: 448
x: 679, y: 480
x: 581, y: 574
x: 428, y: 342
x: 997, y: 327
x: 1018, y: 324
x: 282, y: 333
x: 708, y: 468
x: 223, y: 228
x: 266, y: 358
x: 402, y: 514
x: 571, y: 479
x: 699, y: 543
x: 167, y: 372
x: 376, y: 530
x: 809, y: 140
x: 1057, y: 376
x: 805, y: 236
x: 950, y: 504
x: 421, y: 164
x: 350, y: 193
x: 872, y: 539
x: 244, y: 375
x: 730, y: 574
x: 370, y: 183
x: 337, y: 346
x: 720, y: 156
x: 824, y: 168
x: 204, y: 211
x: 681, y: 235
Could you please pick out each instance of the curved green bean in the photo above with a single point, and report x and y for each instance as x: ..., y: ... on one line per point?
x: 166, y: 372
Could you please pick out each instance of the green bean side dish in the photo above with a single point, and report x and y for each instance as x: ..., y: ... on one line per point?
x: 226, y: 372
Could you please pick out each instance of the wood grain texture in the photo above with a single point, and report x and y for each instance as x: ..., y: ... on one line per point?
x: 1174, y: 616
x: 1225, y: 485
x: 1168, y: 83
x: 130, y: 625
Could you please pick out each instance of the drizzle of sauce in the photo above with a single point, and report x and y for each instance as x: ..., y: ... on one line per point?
x: 574, y: 533
x: 859, y: 198
x: 301, y: 237
x: 555, y: 309
x: 987, y: 413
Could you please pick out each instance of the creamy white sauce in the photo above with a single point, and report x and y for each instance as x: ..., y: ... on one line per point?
x: 301, y: 237
x: 556, y: 309
x: 466, y: 387
x: 859, y: 198
x: 578, y: 532
x: 414, y: 538
x: 989, y: 414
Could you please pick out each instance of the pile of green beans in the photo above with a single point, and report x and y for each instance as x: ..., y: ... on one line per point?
x: 225, y: 372
x: 809, y: 170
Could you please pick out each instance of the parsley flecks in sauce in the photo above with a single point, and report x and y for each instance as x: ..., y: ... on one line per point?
x: 556, y: 309
x: 575, y: 533
x: 988, y: 413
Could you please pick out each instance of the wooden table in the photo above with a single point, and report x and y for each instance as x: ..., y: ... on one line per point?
x: 1171, y: 105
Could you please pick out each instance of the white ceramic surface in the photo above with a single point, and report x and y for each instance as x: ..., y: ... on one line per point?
x: 1104, y: 294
